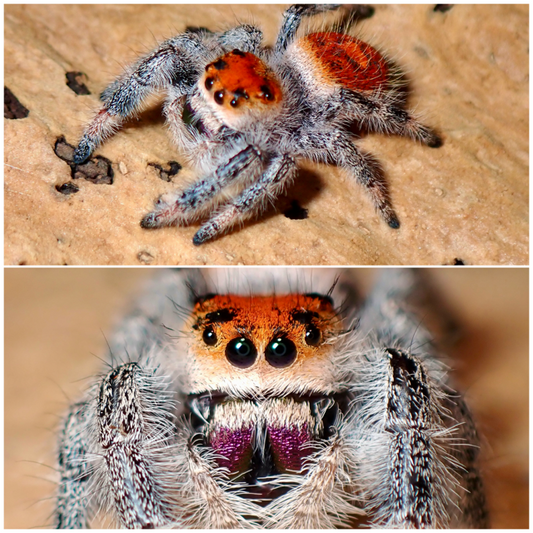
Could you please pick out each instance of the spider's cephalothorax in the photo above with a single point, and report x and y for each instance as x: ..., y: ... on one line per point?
x: 264, y: 391
x: 245, y: 115
x: 259, y: 404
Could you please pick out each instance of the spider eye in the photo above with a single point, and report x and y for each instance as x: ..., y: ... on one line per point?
x: 312, y: 335
x: 280, y: 352
x: 219, y: 97
x: 241, y: 352
x: 266, y: 92
x: 209, y: 83
x: 209, y: 336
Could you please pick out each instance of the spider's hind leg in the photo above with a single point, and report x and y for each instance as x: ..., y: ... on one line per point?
x: 383, y: 114
x: 367, y: 171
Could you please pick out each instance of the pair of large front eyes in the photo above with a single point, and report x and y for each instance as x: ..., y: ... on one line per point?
x: 280, y: 352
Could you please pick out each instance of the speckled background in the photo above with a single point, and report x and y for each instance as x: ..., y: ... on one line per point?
x: 466, y: 201
x: 55, y: 326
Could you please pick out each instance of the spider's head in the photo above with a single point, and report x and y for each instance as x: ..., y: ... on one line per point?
x: 253, y: 346
x: 238, y: 87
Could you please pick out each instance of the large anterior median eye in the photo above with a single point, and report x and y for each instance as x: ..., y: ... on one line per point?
x: 280, y: 352
x: 241, y: 352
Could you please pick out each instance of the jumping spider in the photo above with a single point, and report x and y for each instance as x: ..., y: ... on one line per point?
x: 274, y: 401
x: 246, y: 114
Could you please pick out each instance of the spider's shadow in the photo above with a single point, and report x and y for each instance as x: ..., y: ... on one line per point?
x: 307, y: 186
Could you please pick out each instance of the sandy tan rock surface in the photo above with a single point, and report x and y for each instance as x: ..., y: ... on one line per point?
x: 467, y: 200
x: 55, y: 326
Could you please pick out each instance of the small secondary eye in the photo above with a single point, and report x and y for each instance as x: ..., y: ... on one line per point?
x: 209, y: 83
x: 241, y: 352
x: 209, y: 336
x: 281, y: 352
x: 267, y: 93
x: 219, y: 97
x: 312, y: 335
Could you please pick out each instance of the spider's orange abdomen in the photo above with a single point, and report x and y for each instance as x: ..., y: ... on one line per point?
x: 241, y: 79
x: 344, y: 60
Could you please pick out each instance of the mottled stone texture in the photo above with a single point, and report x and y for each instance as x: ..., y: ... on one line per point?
x: 466, y: 201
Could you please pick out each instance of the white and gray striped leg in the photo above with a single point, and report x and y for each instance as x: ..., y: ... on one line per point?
x: 323, y: 498
x: 174, y: 62
x: 75, y: 504
x: 385, y: 115
x: 191, y: 203
x: 252, y: 200
x: 416, y: 443
x: 135, y: 420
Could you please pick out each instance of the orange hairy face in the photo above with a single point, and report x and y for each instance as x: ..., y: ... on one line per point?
x: 263, y: 343
x: 238, y: 81
x: 345, y: 60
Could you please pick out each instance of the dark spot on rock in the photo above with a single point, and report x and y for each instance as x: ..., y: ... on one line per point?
x: 296, y: 212
x: 442, y: 8
x: 458, y: 262
x: 67, y: 188
x: 166, y: 174
x: 145, y: 257
x: 97, y: 170
x: 64, y: 150
x: 76, y: 82
x: 12, y: 107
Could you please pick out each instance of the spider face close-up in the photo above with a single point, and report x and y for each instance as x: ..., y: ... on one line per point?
x: 246, y: 115
x: 281, y: 402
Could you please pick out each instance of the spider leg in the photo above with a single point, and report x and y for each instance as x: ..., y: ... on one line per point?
x: 172, y: 63
x: 320, y: 499
x: 384, y: 115
x: 74, y: 506
x: 269, y: 186
x: 212, y: 504
x: 416, y: 443
x: 292, y: 18
x: 345, y: 154
x: 135, y: 422
x: 190, y: 203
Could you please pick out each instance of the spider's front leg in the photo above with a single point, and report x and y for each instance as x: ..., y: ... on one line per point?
x: 274, y: 180
x: 323, y: 498
x: 186, y: 206
x: 416, y: 444
x: 175, y: 62
x: 136, y: 432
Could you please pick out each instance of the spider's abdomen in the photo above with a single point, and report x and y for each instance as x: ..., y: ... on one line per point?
x: 337, y: 59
